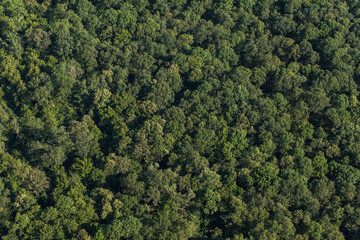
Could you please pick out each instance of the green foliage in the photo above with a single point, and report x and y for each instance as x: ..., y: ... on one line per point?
x: 214, y: 119
x: 266, y: 176
x: 344, y: 174
x: 236, y: 144
x: 82, y: 166
x: 128, y: 228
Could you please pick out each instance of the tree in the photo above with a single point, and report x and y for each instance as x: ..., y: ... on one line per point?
x: 86, y: 136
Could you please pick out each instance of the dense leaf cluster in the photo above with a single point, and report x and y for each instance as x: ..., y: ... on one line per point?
x: 179, y: 119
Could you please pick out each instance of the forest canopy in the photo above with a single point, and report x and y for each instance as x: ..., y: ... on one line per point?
x: 179, y: 119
